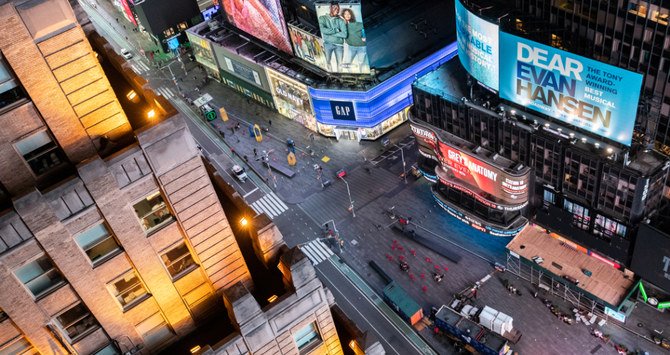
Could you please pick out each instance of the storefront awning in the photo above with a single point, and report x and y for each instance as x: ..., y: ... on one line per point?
x: 571, y: 261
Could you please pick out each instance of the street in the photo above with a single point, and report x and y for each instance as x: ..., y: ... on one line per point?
x: 300, y: 205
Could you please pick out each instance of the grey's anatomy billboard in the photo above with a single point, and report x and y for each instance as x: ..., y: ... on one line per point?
x: 344, y: 41
x: 588, y: 94
x: 477, y: 46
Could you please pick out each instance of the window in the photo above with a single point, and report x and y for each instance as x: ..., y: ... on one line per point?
x: 110, y: 349
x: 98, y: 243
x: 76, y: 322
x: 40, y: 152
x: 10, y: 90
x: 40, y: 276
x: 128, y: 290
x: 606, y: 228
x: 178, y: 261
x: 549, y: 197
x: 168, y: 32
x: 307, y: 337
x: 155, y: 330
x: 18, y: 345
x: 153, y: 212
x: 44, y: 17
x: 3, y: 316
x: 580, y: 214
x: 182, y: 26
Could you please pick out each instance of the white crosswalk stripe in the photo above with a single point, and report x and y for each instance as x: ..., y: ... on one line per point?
x: 316, y: 251
x: 135, y: 69
x: 143, y: 66
x: 167, y: 93
x: 270, y: 204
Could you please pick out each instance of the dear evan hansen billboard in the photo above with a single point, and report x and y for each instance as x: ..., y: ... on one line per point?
x: 477, y: 46
x: 594, y: 96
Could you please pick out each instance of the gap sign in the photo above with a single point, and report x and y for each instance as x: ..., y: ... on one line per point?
x: 343, y: 110
x: 591, y: 95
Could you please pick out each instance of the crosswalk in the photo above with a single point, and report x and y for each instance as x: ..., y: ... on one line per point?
x: 317, y: 251
x: 166, y: 92
x: 139, y: 67
x: 269, y: 204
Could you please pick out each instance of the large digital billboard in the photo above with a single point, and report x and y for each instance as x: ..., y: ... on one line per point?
x: 262, y: 19
x: 477, y: 46
x: 508, y: 188
x: 594, y: 96
x: 308, y: 47
x: 344, y: 41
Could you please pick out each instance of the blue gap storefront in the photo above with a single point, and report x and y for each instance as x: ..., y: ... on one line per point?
x: 369, y: 114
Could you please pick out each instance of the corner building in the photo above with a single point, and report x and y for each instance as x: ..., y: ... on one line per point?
x: 112, y: 237
x: 596, y: 172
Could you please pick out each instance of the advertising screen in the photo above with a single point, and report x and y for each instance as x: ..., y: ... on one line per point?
x: 262, y: 19
x: 594, y: 96
x: 651, y: 256
x: 291, y: 98
x: 308, y: 47
x: 344, y: 42
x: 484, y: 176
x: 477, y: 46
x: 202, y: 51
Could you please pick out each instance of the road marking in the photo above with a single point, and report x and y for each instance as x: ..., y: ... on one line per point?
x: 250, y: 192
x: 270, y: 204
x: 316, y: 251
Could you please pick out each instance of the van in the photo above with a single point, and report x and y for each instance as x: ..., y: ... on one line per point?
x: 239, y: 173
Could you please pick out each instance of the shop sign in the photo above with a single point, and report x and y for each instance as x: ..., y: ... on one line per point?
x: 343, y: 110
x: 616, y: 315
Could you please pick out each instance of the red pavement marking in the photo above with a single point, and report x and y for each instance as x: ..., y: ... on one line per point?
x: 424, y: 289
x: 428, y: 260
x: 423, y: 276
x: 413, y: 252
x: 401, y: 257
x: 446, y: 268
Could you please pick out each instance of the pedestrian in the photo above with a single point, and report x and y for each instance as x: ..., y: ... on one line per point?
x: 246, y: 159
x: 195, y: 78
x: 237, y: 126
x: 222, y: 133
x: 255, y: 152
x: 232, y: 150
x: 311, y: 136
x: 270, y: 123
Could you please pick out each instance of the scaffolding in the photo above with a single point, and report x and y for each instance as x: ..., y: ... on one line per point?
x: 554, y: 285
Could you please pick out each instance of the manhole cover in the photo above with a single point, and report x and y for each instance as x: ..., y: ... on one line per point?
x: 640, y: 325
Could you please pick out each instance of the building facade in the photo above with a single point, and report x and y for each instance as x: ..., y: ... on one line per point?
x: 106, y: 247
x: 354, y: 85
x: 594, y: 175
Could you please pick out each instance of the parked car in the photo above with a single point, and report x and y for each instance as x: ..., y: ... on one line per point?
x: 239, y: 173
x: 126, y: 53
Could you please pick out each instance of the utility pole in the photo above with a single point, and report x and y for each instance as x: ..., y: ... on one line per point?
x: 404, y: 171
x: 351, y: 202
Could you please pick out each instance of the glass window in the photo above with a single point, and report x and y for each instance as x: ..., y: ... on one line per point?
x: 10, y: 90
x: 580, y: 214
x: 306, y: 336
x: 97, y: 242
x: 43, y: 17
x: 182, y: 26
x: 178, y: 261
x: 110, y: 349
x: 40, y: 152
x: 606, y: 228
x: 153, y: 212
x: 128, y: 290
x: 76, y: 322
x: 155, y: 330
x: 19, y: 345
x: 40, y: 276
x: 549, y: 196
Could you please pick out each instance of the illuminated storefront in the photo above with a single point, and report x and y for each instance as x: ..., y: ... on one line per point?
x: 291, y: 99
x: 369, y: 114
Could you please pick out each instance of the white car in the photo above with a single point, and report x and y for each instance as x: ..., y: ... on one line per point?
x: 239, y: 173
x: 126, y: 53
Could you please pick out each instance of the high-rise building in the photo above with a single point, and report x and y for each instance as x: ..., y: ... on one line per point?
x: 542, y: 120
x: 112, y: 236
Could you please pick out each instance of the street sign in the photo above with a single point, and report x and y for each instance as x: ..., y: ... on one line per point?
x: 210, y: 115
x: 202, y: 100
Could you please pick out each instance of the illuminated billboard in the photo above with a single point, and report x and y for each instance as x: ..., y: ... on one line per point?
x: 308, y: 47
x: 588, y: 94
x: 202, y: 51
x: 473, y: 172
x: 344, y: 41
x: 262, y: 19
x: 477, y: 46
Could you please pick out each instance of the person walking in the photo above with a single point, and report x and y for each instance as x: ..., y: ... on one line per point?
x: 255, y: 152
x: 270, y: 123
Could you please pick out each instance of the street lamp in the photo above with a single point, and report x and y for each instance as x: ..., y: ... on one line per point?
x: 243, y: 222
x: 351, y: 203
x: 151, y: 114
x: 174, y: 79
x: 404, y: 171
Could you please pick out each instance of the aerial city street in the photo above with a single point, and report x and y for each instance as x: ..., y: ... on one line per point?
x: 334, y: 177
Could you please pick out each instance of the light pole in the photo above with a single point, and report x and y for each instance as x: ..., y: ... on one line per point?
x: 404, y: 172
x: 351, y: 203
x: 271, y: 176
x: 174, y: 80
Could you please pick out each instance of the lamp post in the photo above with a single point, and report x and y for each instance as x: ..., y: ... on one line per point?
x: 174, y: 79
x: 351, y: 203
x: 404, y: 171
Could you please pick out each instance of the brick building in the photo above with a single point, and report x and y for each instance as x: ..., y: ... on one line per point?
x: 112, y: 236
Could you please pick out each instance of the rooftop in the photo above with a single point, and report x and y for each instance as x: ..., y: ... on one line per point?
x: 449, y: 81
x: 564, y: 258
